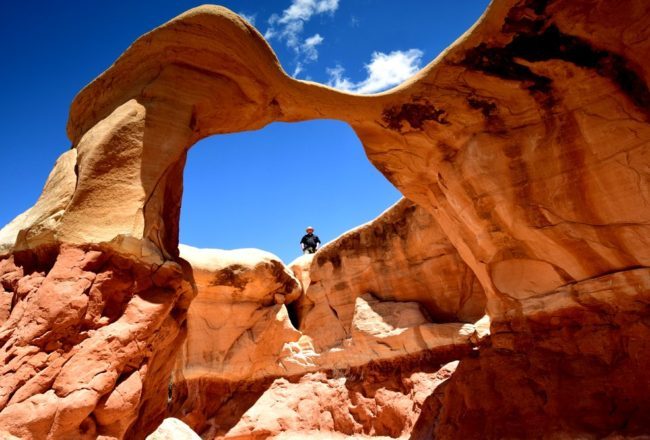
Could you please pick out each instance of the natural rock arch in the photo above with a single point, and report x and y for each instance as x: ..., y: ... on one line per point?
x: 527, y: 140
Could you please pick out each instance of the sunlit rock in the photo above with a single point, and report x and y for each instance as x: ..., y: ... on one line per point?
x: 526, y: 141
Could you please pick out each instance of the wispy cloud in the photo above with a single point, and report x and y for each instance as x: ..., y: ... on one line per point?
x: 304, y: 9
x: 289, y: 27
x: 299, y: 68
x: 308, y: 48
x: 383, y: 71
x: 249, y: 18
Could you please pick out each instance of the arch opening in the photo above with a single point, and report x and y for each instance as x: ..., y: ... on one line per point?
x: 261, y: 189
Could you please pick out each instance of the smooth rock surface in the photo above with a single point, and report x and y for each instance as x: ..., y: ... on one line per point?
x: 402, y: 255
x: 236, y: 328
x: 173, y: 429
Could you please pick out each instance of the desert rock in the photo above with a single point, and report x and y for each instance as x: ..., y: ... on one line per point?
x: 92, y: 332
x: 237, y: 343
x: 318, y: 404
x: 236, y: 328
x: 400, y: 256
x: 526, y: 141
x: 173, y: 429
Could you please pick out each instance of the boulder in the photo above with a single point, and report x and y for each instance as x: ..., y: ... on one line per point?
x: 173, y: 429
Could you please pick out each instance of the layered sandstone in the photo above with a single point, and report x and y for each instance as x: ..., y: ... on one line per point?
x: 238, y: 323
x: 401, y: 256
x: 526, y: 141
x: 242, y: 343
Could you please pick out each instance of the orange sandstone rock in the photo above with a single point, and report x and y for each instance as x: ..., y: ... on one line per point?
x: 400, y: 256
x: 88, y: 345
x: 238, y: 341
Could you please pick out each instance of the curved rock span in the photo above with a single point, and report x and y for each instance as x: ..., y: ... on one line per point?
x: 527, y: 144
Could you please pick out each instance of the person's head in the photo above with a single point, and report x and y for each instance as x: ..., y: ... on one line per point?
x: 309, y: 229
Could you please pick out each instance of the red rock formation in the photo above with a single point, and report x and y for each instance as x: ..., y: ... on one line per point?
x: 89, y: 341
x: 382, y: 399
x: 387, y: 407
x: 527, y: 142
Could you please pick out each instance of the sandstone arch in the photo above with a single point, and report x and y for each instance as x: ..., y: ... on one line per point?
x: 527, y: 140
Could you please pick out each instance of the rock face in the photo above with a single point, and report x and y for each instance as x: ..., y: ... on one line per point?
x: 238, y: 322
x: 88, y: 343
x: 402, y: 255
x: 320, y: 404
x: 242, y: 346
x: 526, y: 141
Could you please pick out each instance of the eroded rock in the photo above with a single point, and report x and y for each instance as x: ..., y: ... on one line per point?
x: 240, y: 347
x: 92, y: 332
x: 400, y: 256
x: 526, y: 141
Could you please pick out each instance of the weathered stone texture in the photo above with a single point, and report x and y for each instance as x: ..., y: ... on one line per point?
x: 527, y: 144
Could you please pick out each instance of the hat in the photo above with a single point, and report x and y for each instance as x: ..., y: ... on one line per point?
x: 309, y: 227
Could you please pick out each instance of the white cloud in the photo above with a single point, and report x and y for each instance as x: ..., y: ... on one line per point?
x: 337, y: 80
x: 269, y: 33
x: 302, y: 10
x: 308, y: 48
x: 384, y: 71
x: 297, y: 70
x: 249, y: 18
x: 289, y: 26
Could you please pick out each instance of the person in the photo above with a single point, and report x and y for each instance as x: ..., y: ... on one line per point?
x: 309, y: 242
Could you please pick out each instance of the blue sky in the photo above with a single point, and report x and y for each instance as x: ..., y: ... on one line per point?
x: 254, y: 189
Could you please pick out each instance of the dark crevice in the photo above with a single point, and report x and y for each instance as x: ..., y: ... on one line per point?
x: 486, y: 107
x: 416, y: 113
x: 334, y: 311
x: 292, y: 311
x: 535, y: 40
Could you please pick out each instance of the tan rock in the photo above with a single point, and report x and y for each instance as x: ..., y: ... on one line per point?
x: 173, y: 429
x: 241, y: 275
x: 257, y: 342
x: 39, y: 223
x: 400, y: 256
x: 239, y: 337
x: 237, y: 328
x: 300, y: 268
